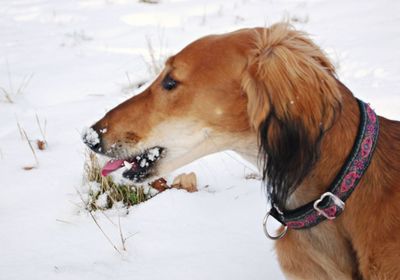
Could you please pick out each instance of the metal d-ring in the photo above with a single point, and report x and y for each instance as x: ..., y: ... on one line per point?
x: 267, y: 234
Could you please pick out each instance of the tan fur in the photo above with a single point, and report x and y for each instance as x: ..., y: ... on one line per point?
x: 186, y: 181
x: 228, y: 85
x: 289, y: 72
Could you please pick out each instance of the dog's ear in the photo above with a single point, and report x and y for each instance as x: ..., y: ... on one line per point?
x: 292, y: 99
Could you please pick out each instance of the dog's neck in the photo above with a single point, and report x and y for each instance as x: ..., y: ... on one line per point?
x: 335, y: 148
x: 338, y: 141
x: 246, y: 146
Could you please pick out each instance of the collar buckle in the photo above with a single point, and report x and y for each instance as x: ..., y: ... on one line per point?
x: 327, y: 214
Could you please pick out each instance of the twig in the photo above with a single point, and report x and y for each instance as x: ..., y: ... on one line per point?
x: 9, y: 77
x: 98, y: 225
x: 150, y: 1
x: 105, y: 235
x: 26, y: 80
x: 154, y: 65
x: 127, y: 76
x: 30, y: 146
x: 108, y: 218
x: 64, y: 222
x: 129, y: 236
x: 123, y: 240
x: 42, y: 131
x: 20, y: 131
x: 6, y: 95
x: 204, y: 17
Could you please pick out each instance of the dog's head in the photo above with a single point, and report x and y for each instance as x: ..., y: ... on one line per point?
x: 271, y: 84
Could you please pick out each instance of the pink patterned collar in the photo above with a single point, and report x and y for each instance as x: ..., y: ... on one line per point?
x: 332, y: 203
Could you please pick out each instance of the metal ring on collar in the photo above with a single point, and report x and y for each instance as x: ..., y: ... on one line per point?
x: 265, y: 228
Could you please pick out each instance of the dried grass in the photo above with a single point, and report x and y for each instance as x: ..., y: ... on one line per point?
x: 128, y: 194
x: 10, y: 93
x: 33, y: 152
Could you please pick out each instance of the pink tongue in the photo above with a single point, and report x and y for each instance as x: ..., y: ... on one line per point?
x: 111, y: 166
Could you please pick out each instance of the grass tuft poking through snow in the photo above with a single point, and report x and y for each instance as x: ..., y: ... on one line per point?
x: 104, y: 192
x: 8, y: 94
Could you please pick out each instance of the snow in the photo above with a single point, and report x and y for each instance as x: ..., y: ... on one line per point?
x: 93, y: 187
x: 103, y: 130
x: 102, y: 201
x: 143, y: 163
x: 86, y: 56
x: 153, y: 154
x: 90, y: 136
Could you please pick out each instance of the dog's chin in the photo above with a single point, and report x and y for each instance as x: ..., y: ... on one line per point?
x: 140, y: 176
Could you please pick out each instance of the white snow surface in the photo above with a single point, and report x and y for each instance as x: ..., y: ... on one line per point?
x: 82, y: 56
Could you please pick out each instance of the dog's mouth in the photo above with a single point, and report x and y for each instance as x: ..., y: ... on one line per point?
x: 138, y: 167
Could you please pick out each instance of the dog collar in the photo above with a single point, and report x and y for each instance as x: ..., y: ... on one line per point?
x: 331, y: 204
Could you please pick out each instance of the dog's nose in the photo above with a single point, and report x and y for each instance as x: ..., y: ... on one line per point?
x: 92, y: 139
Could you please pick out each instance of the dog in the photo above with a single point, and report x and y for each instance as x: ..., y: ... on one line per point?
x: 272, y: 95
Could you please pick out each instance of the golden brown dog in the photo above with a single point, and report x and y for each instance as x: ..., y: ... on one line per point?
x: 270, y: 94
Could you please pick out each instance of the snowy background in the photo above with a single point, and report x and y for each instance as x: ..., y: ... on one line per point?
x: 68, y: 62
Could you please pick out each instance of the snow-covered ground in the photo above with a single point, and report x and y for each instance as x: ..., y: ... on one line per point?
x: 79, y: 58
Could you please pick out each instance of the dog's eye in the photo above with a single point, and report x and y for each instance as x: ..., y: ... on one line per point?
x: 168, y: 83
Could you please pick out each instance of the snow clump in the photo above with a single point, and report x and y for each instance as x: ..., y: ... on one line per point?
x: 102, y: 201
x: 154, y: 153
x: 90, y: 136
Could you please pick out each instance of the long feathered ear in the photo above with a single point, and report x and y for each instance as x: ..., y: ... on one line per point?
x: 292, y: 99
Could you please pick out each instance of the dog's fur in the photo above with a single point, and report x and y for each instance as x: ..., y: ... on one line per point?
x: 271, y: 95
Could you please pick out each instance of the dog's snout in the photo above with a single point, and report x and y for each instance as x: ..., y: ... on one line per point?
x: 92, y: 138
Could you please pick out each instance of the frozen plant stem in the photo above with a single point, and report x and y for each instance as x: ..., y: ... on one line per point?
x: 24, y: 84
x: 9, y: 78
x: 154, y: 67
x: 105, y: 235
x: 156, y: 57
x: 30, y: 146
x: 6, y: 95
x: 149, y: 1
x: 42, y: 130
x: 204, y: 17
x: 127, y: 76
x: 108, y: 218
x: 20, y: 131
x: 123, y: 240
x: 10, y: 93
x: 99, y: 227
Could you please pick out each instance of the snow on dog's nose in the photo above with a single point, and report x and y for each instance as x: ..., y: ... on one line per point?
x: 92, y: 139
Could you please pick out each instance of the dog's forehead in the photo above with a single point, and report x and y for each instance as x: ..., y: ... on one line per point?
x: 223, y: 52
